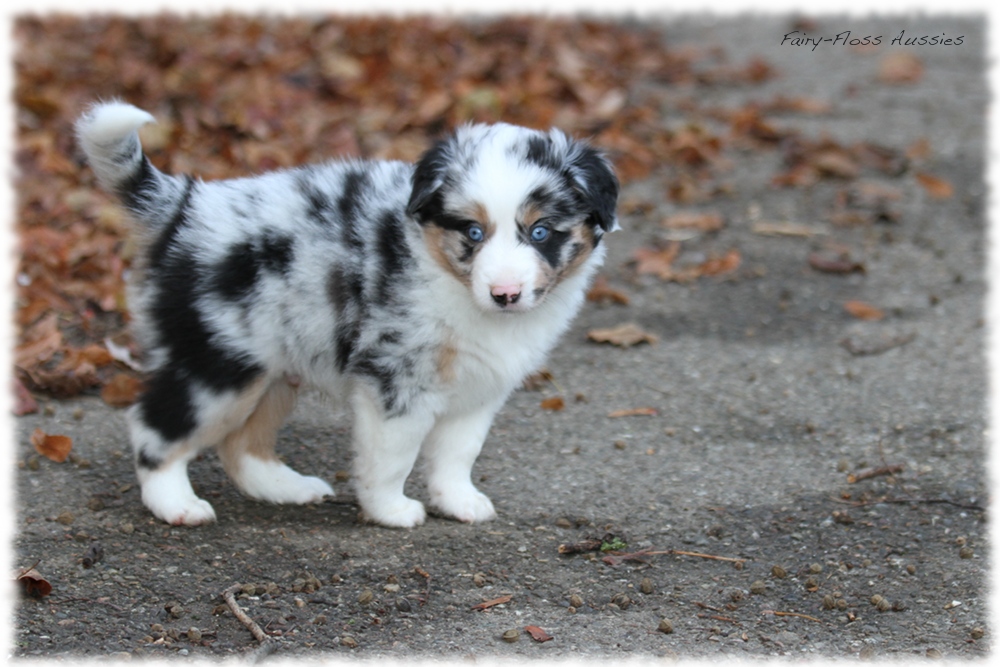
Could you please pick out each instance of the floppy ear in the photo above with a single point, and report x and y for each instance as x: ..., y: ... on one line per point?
x: 595, y: 180
x: 428, y: 177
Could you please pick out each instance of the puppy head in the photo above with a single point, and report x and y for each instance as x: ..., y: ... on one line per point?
x: 512, y: 212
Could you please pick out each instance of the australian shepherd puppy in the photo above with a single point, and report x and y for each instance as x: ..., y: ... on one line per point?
x: 423, y: 294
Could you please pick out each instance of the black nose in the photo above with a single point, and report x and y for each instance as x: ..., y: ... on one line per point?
x: 505, y: 299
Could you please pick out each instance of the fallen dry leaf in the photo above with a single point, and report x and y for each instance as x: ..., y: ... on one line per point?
x: 633, y: 412
x: 785, y: 228
x: 718, y: 266
x: 900, y: 67
x: 537, y: 633
x: 839, y: 263
x: 32, y: 583
x: 55, y: 447
x: 536, y: 381
x: 503, y: 599
x: 554, y: 403
x: 657, y: 262
x: 24, y: 402
x: 703, y: 222
x: 602, y: 292
x: 863, y: 311
x: 624, y: 335
x: 121, y: 390
x: 936, y: 187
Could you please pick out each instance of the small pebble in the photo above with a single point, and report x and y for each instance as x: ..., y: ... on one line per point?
x: 194, y: 634
x: 966, y: 552
x: 33, y: 463
x: 78, y: 414
x: 811, y: 584
x: 911, y: 569
x: 575, y: 601
x: 621, y: 600
x: 249, y: 589
x: 646, y: 585
x: 883, y: 605
x: 934, y: 654
x: 829, y: 602
x: 299, y: 602
x: 95, y: 504
x: 961, y: 540
x: 65, y: 518
x: 563, y: 522
x: 977, y: 633
x: 511, y: 636
x: 758, y: 587
x: 402, y: 604
x: 665, y: 626
x: 841, y: 604
x: 479, y: 579
x: 779, y: 572
x: 365, y: 597
x: 348, y: 641
x: 319, y: 620
x: 815, y: 568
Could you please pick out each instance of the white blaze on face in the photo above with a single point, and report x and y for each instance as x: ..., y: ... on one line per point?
x: 506, y: 271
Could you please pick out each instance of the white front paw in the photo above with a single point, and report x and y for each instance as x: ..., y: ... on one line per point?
x: 400, y: 512
x: 465, y: 503
x: 186, y: 511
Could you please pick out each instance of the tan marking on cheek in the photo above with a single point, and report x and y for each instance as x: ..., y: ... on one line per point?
x: 583, y: 235
x: 441, y: 244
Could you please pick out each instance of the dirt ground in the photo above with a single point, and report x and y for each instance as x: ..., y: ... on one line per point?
x: 768, y: 395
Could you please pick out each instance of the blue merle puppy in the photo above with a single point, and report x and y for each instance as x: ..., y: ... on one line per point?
x: 422, y: 294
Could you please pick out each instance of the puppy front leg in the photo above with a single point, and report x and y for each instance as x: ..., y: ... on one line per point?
x: 449, y: 454
x: 385, y: 449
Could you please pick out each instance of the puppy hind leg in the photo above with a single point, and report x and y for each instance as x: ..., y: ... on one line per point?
x: 161, y: 467
x: 173, y: 421
x: 248, y: 457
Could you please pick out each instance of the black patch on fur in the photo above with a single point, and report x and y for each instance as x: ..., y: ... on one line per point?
x: 319, y: 208
x: 166, y: 408
x: 193, y: 348
x: 143, y: 460
x: 158, y: 250
x: 236, y: 275
x: 369, y: 365
x: 139, y: 189
x: 394, y: 253
x: 601, y: 191
x: 427, y: 178
x: 345, y: 290
x: 349, y: 206
x: 550, y: 249
x: 540, y: 153
x: 276, y: 253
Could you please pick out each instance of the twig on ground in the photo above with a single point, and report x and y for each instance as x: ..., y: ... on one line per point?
x: 615, y: 559
x: 903, y: 501
x: 791, y: 613
x: 874, y: 472
x: 503, y: 599
x: 267, y: 645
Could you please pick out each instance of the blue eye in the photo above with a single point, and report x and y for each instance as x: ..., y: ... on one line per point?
x: 475, y: 233
x: 539, y: 233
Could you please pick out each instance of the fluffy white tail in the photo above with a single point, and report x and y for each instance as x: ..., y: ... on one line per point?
x: 108, y: 135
